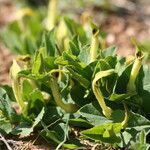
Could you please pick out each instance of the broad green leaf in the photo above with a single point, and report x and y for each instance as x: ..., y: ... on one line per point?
x: 78, y: 122
x: 38, y: 66
x: 110, y: 51
x: 50, y: 43
x: 5, y: 126
x: 5, y: 104
x: 25, y: 38
x: 143, y: 88
x: 111, y: 60
x: 146, y: 85
x: 76, y: 29
x: 35, y: 102
x: 138, y: 122
x: 123, y: 79
x: 135, y: 121
x: 75, y: 46
x: 83, y: 97
x: 70, y: 60
x: 27, y: 89
x: 84, y: 54
x: 49, y: 63
x: 120, y: 97
x: 83, y: 81
x: 57, y: 134
x: 27, y: 131
x: 73, y: 144
x: 105, y: 132
x: 52, y: 114
x: 140, y: 143
x: 93, y: 116
x: 73, y: 60
x: 12, y: 41
x: 6, y: 109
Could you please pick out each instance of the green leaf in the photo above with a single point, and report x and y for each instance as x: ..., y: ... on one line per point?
x: 138, y: 122
x: 75, y: 46
x: 27, y: 89
x: 143, y: 88
x: 123, y: 79
x: 5, y: 104
x: 111, y: 60
x: 83, y: 81
x: 120, y: 97
x: 5, y: 126
x: 110, y: 51
x: 27, y: 131
x: 49, y: 63
x: 78, y: 122
x: 50, y: 43
x: 57, y: 134
x: 12, y: 40
x: 5, y: 107
x: 146, y: 85
x: 70, y: 60
x: 140, y: 143
x: 37, y: 64
x: 73, y: 144
x: 83, y: 97
x: 93, y: 116
x: 84, y: 54
x: 76, y: 29
x: 25, y: 38
x: 35, y: 102
x: 105, y: 133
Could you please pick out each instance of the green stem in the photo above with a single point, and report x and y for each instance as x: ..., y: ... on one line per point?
x: 69, y: 108
x: 131, y: 87
x: 52, y: 14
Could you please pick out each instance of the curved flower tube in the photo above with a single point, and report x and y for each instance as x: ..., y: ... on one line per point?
x: 131, y: 87
x: 94, y: 44
x: 107, y: 111
x: 52, y: 14
x: 126, y: 118
x: 68, y: 107
x: 14, y: 70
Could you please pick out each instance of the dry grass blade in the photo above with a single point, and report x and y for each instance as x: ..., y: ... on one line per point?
x: 5, y: 142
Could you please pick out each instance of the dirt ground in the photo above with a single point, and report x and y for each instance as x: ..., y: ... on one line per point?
x: 132, y: 21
